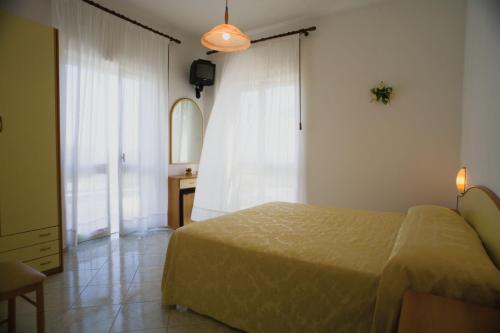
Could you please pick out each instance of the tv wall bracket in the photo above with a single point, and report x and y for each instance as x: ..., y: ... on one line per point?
x: 198, y: 89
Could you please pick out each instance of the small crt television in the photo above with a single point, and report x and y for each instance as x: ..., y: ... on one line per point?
x: 202, y: 73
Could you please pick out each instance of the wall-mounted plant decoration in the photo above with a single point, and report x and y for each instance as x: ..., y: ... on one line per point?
x: 382, y: 93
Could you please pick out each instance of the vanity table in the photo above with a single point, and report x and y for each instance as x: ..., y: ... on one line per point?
x: 180, y: 200
x: 186, y: 140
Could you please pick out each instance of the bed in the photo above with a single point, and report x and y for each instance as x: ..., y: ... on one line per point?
x: 284, y: 267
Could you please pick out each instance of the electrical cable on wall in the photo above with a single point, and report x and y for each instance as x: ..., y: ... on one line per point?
x: 300, y: 84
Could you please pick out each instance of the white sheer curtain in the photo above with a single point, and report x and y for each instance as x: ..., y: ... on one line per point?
x: 251, y: 149
x: 113, y: 95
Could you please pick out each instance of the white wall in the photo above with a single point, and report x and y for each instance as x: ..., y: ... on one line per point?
x: 37, y: 10
x: 181, y: 55
x: 361, y: 154
x: 366, y: 155
x: 481, y: 95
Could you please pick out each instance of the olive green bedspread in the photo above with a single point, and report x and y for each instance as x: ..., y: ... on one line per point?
x: 284, y: 267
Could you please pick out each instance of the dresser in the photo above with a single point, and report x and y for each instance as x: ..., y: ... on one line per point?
x: 30, y: 199
x: 180, y: 200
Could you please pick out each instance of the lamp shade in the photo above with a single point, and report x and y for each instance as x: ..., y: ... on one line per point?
x: 225, y: 38
x: 461, y: 180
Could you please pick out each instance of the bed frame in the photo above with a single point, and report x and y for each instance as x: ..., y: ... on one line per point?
x: 481, y: 208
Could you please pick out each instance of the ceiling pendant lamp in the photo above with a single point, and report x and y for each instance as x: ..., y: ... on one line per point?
x: 225, y: 37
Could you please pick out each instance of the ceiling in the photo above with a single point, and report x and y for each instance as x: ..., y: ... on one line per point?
x: 197, y: 16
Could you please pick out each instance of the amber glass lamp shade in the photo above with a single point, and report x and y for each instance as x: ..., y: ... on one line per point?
x: 461, y: 180
x: 225, y: 38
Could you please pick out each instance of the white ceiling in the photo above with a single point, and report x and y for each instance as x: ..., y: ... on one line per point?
x: 197, y: 16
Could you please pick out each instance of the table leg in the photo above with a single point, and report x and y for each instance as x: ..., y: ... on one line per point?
x: 40, y: 309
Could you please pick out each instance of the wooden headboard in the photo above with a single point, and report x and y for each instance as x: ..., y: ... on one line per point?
x: 481, y: 208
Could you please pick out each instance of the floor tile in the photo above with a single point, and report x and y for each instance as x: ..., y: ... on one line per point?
x: 151, y: 260
x: 101, y: 295
x: 55, y: 299
x: 114, y: 274
x: 140, y: 316
x: 124, y: 259
x: 26, y: 323
x: 148, y: 274
x: 144, y: 292
x: 90, y: 319
x: 112, y: 284
x: 71, y: 279
x: 93, y: 263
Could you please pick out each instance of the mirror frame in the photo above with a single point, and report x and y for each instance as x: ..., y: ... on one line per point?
x: 170, y: 128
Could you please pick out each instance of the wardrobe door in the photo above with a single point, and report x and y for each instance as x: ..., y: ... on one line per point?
x: 29, y: 197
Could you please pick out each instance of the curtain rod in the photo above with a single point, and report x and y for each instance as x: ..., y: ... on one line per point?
x: 123, y: 17
x: 304, y: 31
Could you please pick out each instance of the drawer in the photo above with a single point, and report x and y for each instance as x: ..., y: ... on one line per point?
x: 29, y: 238
x: 45, y: 263
x: 31, y: 252
x: 187, y: 183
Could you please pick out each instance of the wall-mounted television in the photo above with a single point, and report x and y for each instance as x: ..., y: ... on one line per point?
x: 202, y: 74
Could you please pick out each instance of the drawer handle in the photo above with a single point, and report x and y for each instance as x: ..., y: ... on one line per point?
x: 45, y: 263
x: 44, y: 235
x: 45, y: 248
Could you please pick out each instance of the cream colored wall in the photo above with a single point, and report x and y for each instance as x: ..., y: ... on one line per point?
x: 481, y: 97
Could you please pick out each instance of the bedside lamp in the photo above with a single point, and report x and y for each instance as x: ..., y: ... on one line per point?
x: 461, y: 180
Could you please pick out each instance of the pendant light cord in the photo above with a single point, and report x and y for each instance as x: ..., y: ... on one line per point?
x: 226, y: 15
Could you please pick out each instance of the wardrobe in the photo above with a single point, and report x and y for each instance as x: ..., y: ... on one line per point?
x: 30, y: 198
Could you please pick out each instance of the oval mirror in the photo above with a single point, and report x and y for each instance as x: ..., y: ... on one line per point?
x: 186, y: 132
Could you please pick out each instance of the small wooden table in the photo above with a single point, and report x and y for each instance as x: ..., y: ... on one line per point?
x: 429, y: 313
x: 180, y: 200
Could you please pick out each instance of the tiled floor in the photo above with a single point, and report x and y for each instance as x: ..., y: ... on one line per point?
x: 112, y: 285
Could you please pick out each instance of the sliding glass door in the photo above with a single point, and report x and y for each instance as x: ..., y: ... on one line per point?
x: 129, y: 199
x: 114, y: 153
x: 114, y: 133
x: 87, y: 144
x: 142, y: 155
